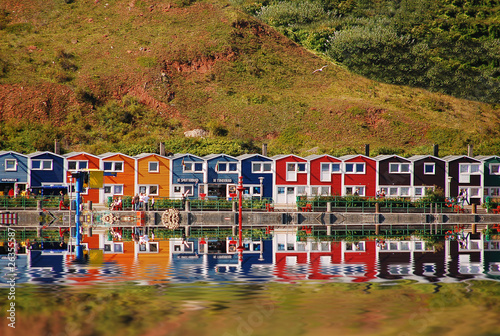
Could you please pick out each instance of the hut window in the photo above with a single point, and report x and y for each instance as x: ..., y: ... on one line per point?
x: 429, y: 168
x: 41, y: 164
x: 10, y: 164
x: 494, y: 168
x: 153, y: 167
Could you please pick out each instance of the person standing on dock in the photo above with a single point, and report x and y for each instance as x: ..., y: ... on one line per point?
x: 136, y: 202
x: 61, y: 201
x: 146, y: 202
x: 141, y: 201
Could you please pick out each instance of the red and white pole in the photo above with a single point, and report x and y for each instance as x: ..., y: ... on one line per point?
x: 240, y: 189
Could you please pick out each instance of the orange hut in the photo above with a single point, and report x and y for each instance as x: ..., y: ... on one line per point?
x: 76, y: 161
x: 119, y: 175
x: 152, y: 175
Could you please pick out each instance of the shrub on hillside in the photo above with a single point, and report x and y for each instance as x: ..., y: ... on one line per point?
x: 289, y: 13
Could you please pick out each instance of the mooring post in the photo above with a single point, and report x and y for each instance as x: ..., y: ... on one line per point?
x: 329, y: 207
x: 377, y: 229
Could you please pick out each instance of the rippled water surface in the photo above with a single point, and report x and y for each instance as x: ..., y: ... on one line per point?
x: 280, y: 293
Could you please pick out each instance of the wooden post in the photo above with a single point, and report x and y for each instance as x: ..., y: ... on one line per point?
x: 377, y: 229
x: 377, y: 207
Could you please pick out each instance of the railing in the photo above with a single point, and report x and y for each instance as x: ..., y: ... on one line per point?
x: 359, y: 204
x: 24, y: 203
x: 32, y: 235
x: 367, y: 231
x: 317, y: 204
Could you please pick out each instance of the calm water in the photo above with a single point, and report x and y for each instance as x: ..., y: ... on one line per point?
x: 282, y: 287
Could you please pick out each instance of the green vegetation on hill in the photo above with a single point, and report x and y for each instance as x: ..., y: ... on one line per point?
x: 125, y: 75
x: 449, y: 46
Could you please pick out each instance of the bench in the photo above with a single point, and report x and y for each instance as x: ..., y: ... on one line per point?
x: 497, y: 210
x: 307, y: 208
x: 269, y: 207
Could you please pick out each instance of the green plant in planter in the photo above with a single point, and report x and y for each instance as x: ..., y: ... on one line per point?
x: 488, y: 232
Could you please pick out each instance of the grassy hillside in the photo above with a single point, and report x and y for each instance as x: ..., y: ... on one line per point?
x: 124, y: 75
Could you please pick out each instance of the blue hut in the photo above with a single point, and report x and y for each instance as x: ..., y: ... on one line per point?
x: 13, y: 173
x: 222, y: 176
x: 188, y: 172
x: 46, y: 171
x: 258, y: 175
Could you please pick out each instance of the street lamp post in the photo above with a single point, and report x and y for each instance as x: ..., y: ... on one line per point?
x: 79, y: 176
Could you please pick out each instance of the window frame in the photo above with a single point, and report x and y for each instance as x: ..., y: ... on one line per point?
x: 182, y: 188
x: 355, y: 167
x: 157, y: 170
x: 320, y: 190
x: 148, y: 247
x: 495, y: 164
x: 325, y: 172
x: 148, y: 189
x: 112, y: 247
x: 361, y: 187
x: 193, y: 165
x: 113, y: 189
x: 77, y: 163
x: 488, y: 191
x: 430, y: 164
x: 228, y: 165
x: 397, y: 191
x: 113, y: 166
x: 261, y: 165
x: 469, y: 166
x: 42, y: 162
x: 399, y: 166
x: 291, y: 171
x: 361, y: 246
x: 6, y: 164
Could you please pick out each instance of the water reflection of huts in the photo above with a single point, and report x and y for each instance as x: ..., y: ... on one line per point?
x: 285, y: 257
